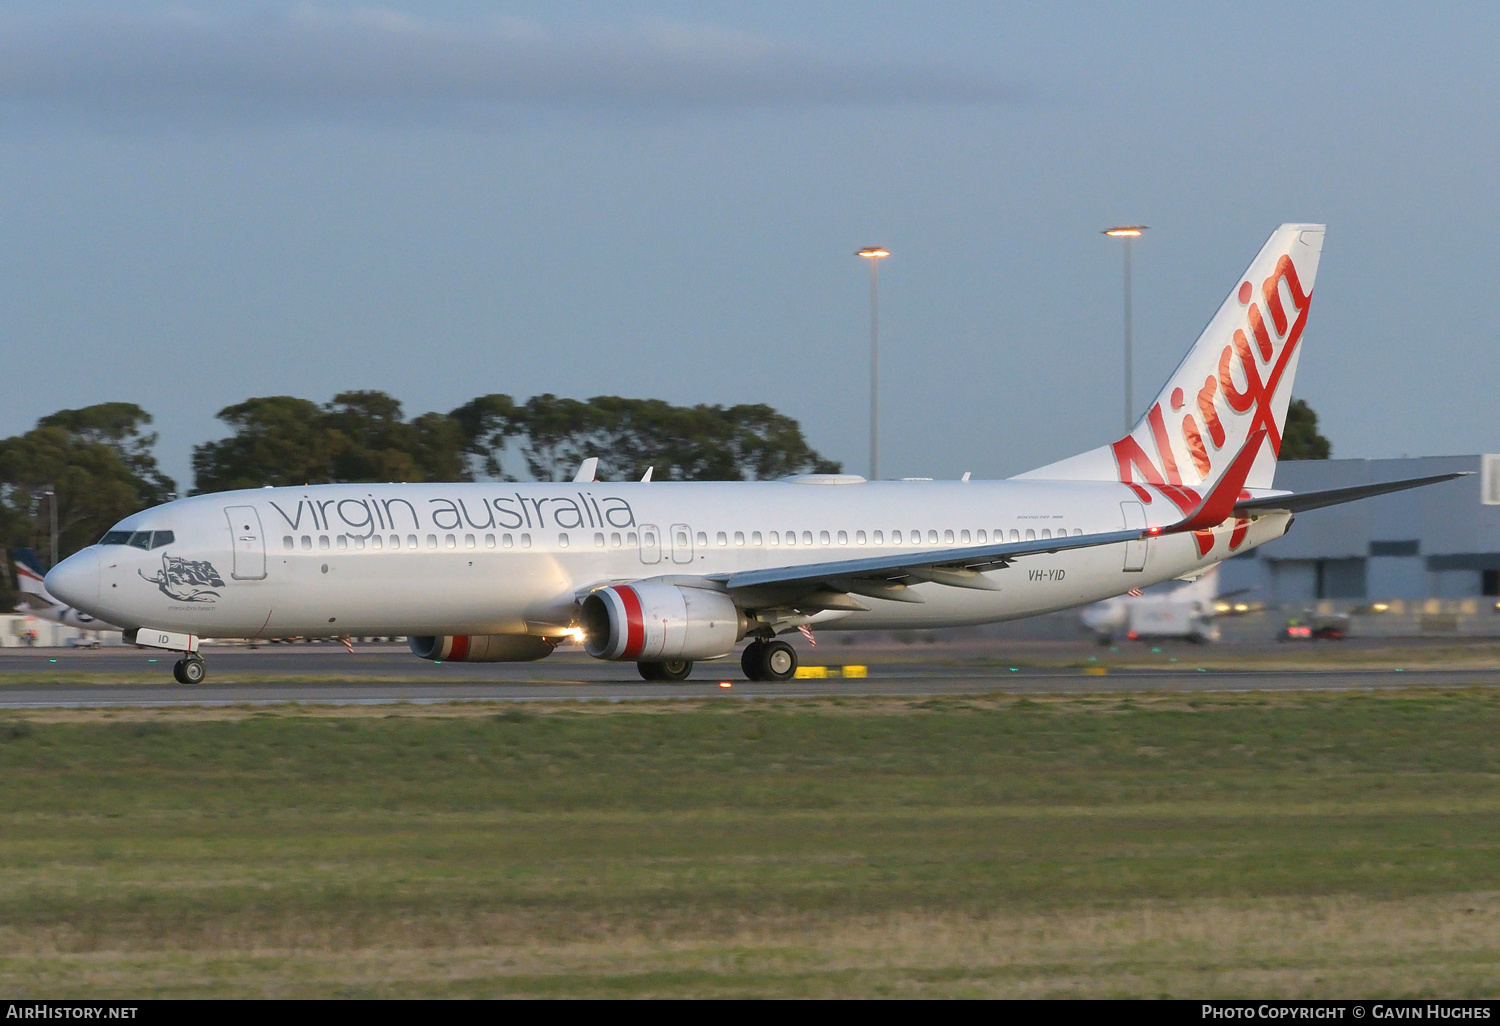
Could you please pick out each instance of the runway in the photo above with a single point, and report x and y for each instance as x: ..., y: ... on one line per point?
x: 378, y: 675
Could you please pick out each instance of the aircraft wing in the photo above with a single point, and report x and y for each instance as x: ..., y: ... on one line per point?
x: 1299, y: 502
x: 886, y: 576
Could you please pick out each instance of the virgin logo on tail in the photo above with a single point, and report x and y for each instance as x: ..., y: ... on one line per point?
x: 1233, y: 403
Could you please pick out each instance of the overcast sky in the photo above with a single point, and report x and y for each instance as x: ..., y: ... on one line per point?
x: 205, y: 202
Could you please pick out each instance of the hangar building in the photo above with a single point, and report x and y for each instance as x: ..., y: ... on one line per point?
x: 1438, y: 542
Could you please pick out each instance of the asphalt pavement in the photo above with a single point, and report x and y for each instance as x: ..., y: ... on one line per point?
x: 388, y: 674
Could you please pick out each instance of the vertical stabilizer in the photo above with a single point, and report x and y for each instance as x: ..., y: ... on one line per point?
x: 1234, y: 382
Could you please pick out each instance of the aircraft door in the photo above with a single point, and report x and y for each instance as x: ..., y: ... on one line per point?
x: 1135, y: 551
x: 249, y: 543
x: 650, y: 544
x: 682, y: 543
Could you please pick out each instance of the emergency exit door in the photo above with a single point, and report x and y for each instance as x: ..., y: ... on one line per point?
x: 249, y: 543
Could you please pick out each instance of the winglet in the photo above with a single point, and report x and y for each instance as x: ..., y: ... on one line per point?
x: 1218, y: 505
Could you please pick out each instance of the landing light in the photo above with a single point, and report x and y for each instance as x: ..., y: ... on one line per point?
x: 1241, y: 607
x: 725, y: 684
x: 1380, y: 607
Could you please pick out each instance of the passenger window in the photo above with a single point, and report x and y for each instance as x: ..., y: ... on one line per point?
x: 507, y: 541
x: 1030, y: 535
x: 895, y: 537
x: 859, y: 537
x: 432, y: 541
x: 702, y: 539
x: 823, y: 538
x: 323, y: 541
x: 359, y: 543
x: 722, y: 538
x: 161, y: 538
x: 947, y: 537
x: 630, y: 539
x: 739, y: 537
x: 562, y: 540
x: 807, y: 537
x: 342, y: 542
x: 489, y: 541
x: 879, y: 538
x: 140, y: 540
x: 468, y: 541
x: 932, y: 537
x: 614, y: 539
x: 450, y: 541
x: 964, y: 537
x: 525, y: 541
x: 1015, y: 535
x: 1046, y: 533
x: 598, y: 541
x: 411, y: 541
x: 775, y: 538
x: 791, y: 537
x: 982, y: 537
x: 287, y: 543
x: 1077, y: 532
x: 377, y: 541
x: 755, y: 538
x: 306, y: 543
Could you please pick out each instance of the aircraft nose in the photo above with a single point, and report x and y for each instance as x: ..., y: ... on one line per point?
x: 76, y: 580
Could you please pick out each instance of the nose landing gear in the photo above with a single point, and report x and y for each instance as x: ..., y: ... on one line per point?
x: 190, y: 669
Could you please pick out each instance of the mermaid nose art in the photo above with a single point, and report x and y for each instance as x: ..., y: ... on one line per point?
x: 76, y: 580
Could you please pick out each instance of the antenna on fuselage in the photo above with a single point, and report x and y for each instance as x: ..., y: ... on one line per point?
x: 647, y: 475
x: 586, y: 470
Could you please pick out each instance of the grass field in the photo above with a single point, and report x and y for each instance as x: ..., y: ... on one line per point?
x: 1232, y: 845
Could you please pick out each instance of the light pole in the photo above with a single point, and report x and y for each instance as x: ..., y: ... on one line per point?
x: 1128, y: 232
x: 51, y: 494
x: 873, y: 254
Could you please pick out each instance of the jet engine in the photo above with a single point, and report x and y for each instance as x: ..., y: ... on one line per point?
x: 657, y: 622
x: 483, y: 648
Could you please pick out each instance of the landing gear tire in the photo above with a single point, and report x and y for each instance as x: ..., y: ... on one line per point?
x: 750, y: 660
x: 190, y: 670
x: 667, y: 669
x: 769, y: 660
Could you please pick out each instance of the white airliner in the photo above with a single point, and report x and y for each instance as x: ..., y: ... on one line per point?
x: 30, y: 580
x: 662, y: 574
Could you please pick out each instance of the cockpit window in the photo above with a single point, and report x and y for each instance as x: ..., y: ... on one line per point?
x: 115, y: 538
x: 161, y: 538
x: 140, y: 540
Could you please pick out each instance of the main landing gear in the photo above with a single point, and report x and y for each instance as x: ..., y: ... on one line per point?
x: 667, y: 669
x: 190, y: 669
x: 769, y: 660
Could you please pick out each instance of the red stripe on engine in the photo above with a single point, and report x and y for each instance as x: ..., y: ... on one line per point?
x: 635, y: 627
x: 459, y: 650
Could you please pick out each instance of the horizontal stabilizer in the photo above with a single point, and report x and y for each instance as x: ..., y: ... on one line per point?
x: 1299, y: 502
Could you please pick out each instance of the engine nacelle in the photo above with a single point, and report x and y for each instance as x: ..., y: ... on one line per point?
x: 653, y: 622
x: 483, y: 648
